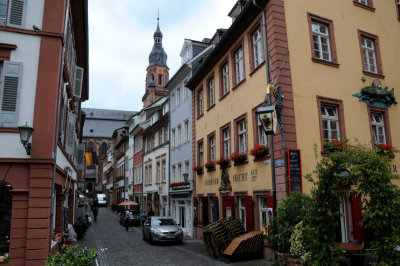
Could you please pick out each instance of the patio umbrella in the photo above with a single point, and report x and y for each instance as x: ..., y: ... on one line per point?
x: 128, y: 203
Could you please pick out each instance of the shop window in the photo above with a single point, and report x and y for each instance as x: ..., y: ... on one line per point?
x: 5, y: 218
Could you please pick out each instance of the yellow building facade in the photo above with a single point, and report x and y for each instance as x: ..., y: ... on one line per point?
x: 341, y: 56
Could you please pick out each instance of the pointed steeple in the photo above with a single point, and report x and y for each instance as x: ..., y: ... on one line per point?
x: 158, y: 56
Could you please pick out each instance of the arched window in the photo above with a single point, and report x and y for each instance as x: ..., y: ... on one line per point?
x: 103, y: 149
x: 5, y: 217
x: 152, y: 77
x: 90, y: 147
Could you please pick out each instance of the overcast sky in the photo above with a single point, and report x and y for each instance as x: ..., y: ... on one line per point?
x: 121, y: 39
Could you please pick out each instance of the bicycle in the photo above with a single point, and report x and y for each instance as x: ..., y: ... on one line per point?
x: 95, y: 260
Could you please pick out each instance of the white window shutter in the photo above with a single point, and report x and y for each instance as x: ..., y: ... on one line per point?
x: 16, y: 13
x: 10, y: 94
x: 78, y: 81
x: 69, y: 143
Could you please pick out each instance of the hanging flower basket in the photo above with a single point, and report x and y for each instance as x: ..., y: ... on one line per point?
x: 386, y: 150
x: 210, y: 165
x: 238, y: 157
x: 198, y: 169
x: 259, y: 151
x: 223, y: 162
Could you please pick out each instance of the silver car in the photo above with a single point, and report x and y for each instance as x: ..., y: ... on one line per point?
x: 162, y: 229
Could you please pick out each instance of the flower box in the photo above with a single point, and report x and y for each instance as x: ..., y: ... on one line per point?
x: 198, y: 169
x: 223, y: 162
x: 210, y: 165
x: 179, y: 185
x: 259, y: 151
x: 238, y: 158
x: 387, y: 150
x: 335, y: 145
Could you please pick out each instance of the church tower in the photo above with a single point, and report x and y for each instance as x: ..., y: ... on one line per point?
x: 157, y: 71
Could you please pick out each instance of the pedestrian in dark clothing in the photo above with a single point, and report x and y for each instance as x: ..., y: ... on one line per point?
x: 95, y: 209
x: 128, y: 217
x: 143, y: 217
x: 150, y: 213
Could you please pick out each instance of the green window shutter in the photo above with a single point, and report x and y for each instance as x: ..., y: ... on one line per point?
x: 10, y: 93
x: 78, y: 81
x: 16, y: 13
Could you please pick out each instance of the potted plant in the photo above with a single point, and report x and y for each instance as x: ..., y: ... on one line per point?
x: 238, y: 157
x: 259, y: 151
x: 81, y: 225
x: 223, y: 162
x: 210, y: 165
x: 198, y: 169
x: 386, y: 149
x: 72, y: 256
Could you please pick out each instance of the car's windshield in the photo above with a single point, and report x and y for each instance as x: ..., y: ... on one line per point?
x: 158, y: 222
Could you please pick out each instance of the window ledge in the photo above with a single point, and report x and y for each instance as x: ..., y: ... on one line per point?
x: 200, y: 116
x: 261, y: 158
x: 211, y: 107
x: 256, y: 68
x: 223, y: 96
x: 9, y: 129
x: 370, y: 8
x: 324, y: 62
x: 238, y: 84
x: 375, y: 75
x: 241, y: 163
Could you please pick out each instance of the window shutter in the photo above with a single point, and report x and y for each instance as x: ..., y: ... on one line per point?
x: 248, y: 202
x: 204, y: 203
x: 10, y: 92
x: 356, y: 211
x: 270, y: 203
x: 69, y: 143
x: 16, y: 13
x: 78, y: 82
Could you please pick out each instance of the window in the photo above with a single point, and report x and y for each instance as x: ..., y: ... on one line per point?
x: 179, y: 135
x: 263, y: 213
x: 173, y: 172
x: 152, y: 77
x: 211, y: 147
x: 90, y: 147
x: 225, y: 79
x: 330, y: 122
x: 262, y: 137
x: 179, y: 173
x: 185, y: 90
x: 166, y: 133
x: 186, y: 130
x: 239, y: 65
x: 379, y: 125
x: 378, y: 128
x: 227, y: 142
x: 3, y: 11
x: 200, y: 153
x: 163, y: 172
x: 200, y: 102
x: 242, y: 136
x: 186, y: 167
x: 173, y: 100
x: 258, y: 53
x: 173, y: 138
x: 211, y: 93
x: 242, y: 211
x: 366, y: 4
x: 158, y: 173
x: 178, y: 96
x: 323, y: 47
x: 398, y: 8
x: 159, y: 79
x: 370, y: 53
x: 160, y: 136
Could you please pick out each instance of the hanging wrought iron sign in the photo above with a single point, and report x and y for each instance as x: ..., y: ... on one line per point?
x: 376, y: 95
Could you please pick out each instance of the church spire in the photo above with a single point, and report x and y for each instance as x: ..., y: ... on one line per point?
x: 158, y: 56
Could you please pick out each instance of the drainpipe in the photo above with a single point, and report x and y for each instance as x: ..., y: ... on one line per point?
x: 54, y: 155
x: 271, y: 139
x: 169, y: 152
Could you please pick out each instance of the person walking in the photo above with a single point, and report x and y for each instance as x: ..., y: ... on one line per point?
x: 86, y: 204
x: 128, y: 216
x: 143, y: 217
x: 95, y: 209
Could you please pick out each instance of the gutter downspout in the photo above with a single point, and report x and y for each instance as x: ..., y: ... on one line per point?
x: 271, y: 139
x: 54, y: 155
x: 169, y: 152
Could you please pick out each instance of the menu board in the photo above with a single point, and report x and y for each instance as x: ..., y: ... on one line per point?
x: 294, y: 164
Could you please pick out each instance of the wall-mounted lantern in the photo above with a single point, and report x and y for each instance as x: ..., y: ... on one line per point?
x: 25, y: 133
x: 268, y: 119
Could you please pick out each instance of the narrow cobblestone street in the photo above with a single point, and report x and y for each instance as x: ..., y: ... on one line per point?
x: 128, y: 248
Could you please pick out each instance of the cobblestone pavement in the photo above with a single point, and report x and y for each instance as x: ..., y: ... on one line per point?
x: 128, y: 248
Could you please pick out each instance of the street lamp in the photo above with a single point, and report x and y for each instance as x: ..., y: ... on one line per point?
x: 25, y: 133
x: 267, y: 117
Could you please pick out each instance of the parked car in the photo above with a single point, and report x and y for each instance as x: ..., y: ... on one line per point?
x: 135, y: 219
x: 161, y: 229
